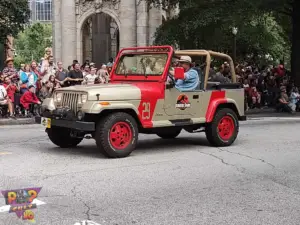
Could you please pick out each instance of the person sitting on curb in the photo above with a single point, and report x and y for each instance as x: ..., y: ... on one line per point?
x: 5, y: 101
x: 29, y: 100
x: 283, y: 101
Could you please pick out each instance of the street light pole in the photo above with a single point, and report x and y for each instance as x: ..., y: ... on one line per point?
x: 234, y: 32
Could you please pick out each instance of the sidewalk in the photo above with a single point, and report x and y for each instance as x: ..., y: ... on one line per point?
x: 19, y: 121
x: 261, y: 111
x: 269, y: 112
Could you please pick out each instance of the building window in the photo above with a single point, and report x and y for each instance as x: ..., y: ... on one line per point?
x: 41, y: 10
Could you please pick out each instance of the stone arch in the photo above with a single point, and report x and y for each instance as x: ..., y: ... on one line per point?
x: 82, y: 19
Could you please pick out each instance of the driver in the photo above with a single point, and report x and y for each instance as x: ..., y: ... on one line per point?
x: 191, y: 78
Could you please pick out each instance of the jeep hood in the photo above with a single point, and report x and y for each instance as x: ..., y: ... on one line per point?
x: 107, y: 92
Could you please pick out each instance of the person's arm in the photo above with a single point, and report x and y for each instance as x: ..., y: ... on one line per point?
x: 282, y: 100
x: 188, y: 75
x: 85, y: 81
x: 35, y: 99
x: 17, y: 87
x: 4, y: 92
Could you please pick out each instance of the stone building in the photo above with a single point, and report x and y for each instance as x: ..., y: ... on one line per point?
x: 97, y: 29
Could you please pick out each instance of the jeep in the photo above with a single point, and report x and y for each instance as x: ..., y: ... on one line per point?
x: 141, y: 98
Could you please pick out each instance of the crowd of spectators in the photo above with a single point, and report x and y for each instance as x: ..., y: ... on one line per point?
x: 266, y: 86
x: 23, y: 90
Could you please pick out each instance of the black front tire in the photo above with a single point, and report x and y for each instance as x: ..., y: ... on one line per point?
x: 61, y: 137
x: 212, y: 130
x: 169, y: 133
x: 104, y: 129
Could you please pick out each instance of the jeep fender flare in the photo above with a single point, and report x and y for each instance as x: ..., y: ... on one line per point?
x: 213, y: 106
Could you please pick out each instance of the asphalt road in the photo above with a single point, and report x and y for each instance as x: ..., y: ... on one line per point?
x: 182, y: 181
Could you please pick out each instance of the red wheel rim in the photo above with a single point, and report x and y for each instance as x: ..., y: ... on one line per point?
x: 226, y: 128
x: 120, y: 135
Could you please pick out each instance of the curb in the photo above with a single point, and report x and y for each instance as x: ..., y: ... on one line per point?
x: 19, y: 121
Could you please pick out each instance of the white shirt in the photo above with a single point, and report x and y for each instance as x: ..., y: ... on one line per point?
x: 90, y: 79
x: 3, y: 93
x: 51, y: 71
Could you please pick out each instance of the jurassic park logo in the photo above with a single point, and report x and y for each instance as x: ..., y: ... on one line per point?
x: 183, y: 102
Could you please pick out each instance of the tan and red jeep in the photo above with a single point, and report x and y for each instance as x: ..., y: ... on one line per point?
x: 139, y: 99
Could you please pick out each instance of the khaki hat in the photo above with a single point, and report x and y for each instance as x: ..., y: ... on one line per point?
x: 9, y: 60
x: 185, y: 59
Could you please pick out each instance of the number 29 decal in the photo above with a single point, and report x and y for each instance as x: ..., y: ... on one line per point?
x: 146, y: 111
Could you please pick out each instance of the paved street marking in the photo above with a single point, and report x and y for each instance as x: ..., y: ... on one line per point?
x: 4, y: 208
x: 87, y: 222
x: 38, y: 202
x: 5, y: 153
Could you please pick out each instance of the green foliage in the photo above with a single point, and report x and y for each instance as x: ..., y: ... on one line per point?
x: 13, y: 15
x: 208, y: 24
x: 31, y: 43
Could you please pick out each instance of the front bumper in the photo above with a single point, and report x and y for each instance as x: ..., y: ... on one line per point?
x: 76, y: 125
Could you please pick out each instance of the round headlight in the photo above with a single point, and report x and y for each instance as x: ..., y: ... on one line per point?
x: 80, y: 115
x: 83, y: 98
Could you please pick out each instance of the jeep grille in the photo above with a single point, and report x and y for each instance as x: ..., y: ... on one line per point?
x: 70, y: 100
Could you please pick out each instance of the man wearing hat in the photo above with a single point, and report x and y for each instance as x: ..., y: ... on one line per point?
x: 283, y: 101
x: 191, y: 77
x: 10, y: 71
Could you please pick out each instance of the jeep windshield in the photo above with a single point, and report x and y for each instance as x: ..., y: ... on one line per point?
x: 144, y: 64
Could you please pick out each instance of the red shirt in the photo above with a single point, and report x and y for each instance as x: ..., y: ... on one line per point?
x: 280, y: 70
x: 28, y: 98
x: 11, y: 91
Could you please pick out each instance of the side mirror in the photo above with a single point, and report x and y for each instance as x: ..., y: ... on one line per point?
x: 179, y: 73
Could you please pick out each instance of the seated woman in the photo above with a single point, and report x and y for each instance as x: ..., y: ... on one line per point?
x: 28, y: 78
x: 29, y: 100
x: 255, y: 97
x: 5, y: 101
x: 294, y: 99
x: 283, y: 101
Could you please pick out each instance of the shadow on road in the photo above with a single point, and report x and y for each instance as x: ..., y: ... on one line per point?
x: 146, y: 146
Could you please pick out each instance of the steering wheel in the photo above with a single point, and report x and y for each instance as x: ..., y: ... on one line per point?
x: 171, y: 78
x: 170, y: 82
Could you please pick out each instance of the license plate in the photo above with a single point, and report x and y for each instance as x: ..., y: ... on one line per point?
x: 46, y: 122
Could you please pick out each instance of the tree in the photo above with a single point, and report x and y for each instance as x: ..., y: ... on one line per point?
x: 289, y: 14
x: 31, y: 43
x: 286, y: 13
x: 207, y: 24
x: 13, y: 15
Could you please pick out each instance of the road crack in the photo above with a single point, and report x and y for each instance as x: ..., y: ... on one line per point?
x: 87, y: 212
x: 247, y: 156
x: 239, y: 169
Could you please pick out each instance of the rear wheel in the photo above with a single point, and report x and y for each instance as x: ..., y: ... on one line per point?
x: 224, y: 128
x: 62, y: 137
x: 117, y: 135
x: 169, y: 133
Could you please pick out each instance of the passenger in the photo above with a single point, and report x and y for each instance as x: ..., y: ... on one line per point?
x: 191, y: 78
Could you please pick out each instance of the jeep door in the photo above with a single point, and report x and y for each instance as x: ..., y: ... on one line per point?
x: 182, y: 105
